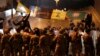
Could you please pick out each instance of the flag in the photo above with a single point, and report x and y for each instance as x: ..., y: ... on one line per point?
x: 22, y: 8
x: 34, y: 12
x: 58, y: 14
x: 76, y: 14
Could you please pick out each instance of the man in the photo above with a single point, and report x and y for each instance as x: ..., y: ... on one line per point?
x: 88, y: 21
x: 22, y: 23
x: 16, y: 44
x: 75, y: 42
x: 98, y: 44
x: 44, y: 45
x: 1, y: 54
x: 34, y: 46
x: 6, y: 45
x: 88, y: 44
x: 7, y: 26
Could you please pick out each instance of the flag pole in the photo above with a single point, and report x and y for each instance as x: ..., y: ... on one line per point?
x: 12, y: 9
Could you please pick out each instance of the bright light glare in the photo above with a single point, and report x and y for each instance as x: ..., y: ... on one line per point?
x: 9, y: 12
x: 13, y: 31
x: 19, y: 14
x: 34, y: 12
x: 23, y: 9
x: 1, y: 31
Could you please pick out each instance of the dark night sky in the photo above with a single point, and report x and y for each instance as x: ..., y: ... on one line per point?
x: 70, y: 4
x: 51, y: 3
x: 40, y: 3
x: 62, y: 3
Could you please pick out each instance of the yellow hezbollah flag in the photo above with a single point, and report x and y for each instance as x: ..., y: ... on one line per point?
x: 22, y: 8
x: 58, y: 14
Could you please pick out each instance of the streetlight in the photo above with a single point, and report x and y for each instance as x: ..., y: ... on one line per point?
x: 56, y: 2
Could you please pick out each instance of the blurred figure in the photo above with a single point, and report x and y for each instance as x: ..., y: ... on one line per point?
x: 16, y: 43
x: 81, y: 24
x: 36, y: 31
x: 75, y: 42
x: 88, y: 43
x: 60, y: 49
x: 21, y: 23
x: 6, y: 45
x: 26, y: 44
x: 98, y: 44
x: 7, y: 26
x: 44, y: 45
x: 95, y: 34
x: 1, y: 54
x: 81, y: 41
x: 88, y: 21
x: 1, y: 23
x: 65, y: 34
x: 35, y: 50
x: 72, y: 25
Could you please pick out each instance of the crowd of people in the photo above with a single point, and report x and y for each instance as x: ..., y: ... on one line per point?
x: 82, y: 39
x: 52, y: 41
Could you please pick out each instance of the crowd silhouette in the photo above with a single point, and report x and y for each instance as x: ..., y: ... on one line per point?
x: 82, y: 39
